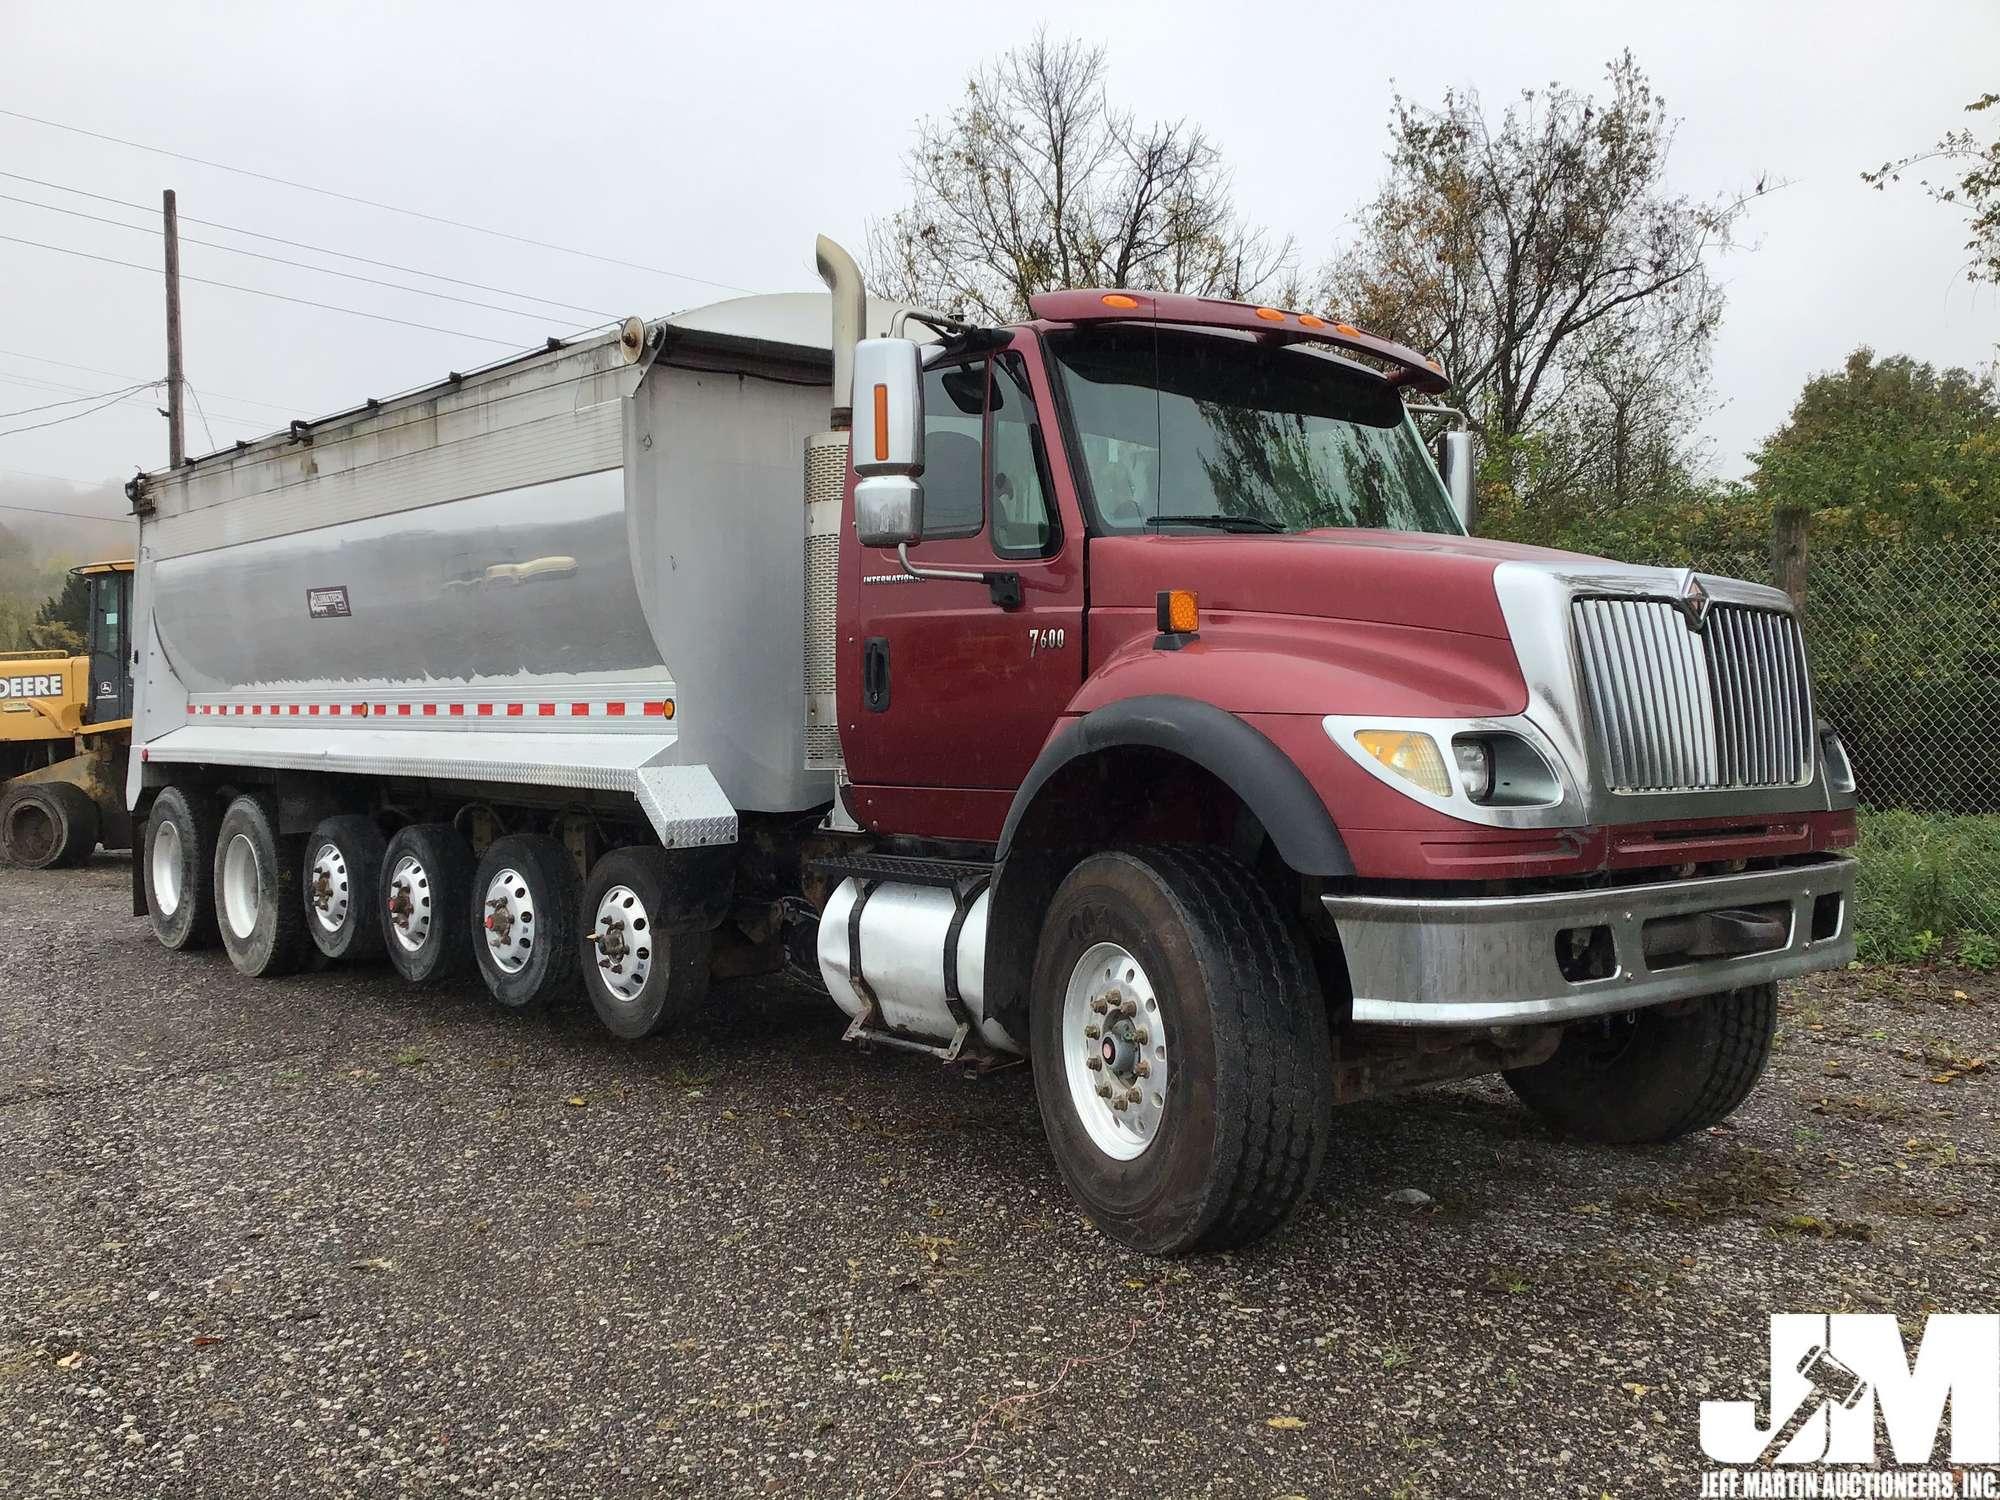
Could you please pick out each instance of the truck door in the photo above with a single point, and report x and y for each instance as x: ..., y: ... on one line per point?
x: 944, y: 684
x: 110, y: 689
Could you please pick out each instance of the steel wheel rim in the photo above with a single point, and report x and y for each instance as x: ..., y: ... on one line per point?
x: 328, y: 893
x: 240, y: 880
x: 623, y: 933
x: 410, y: 903
x: 31, y: 829
x: 507, y: 916
x: 1115, y: 1059
x: 167, y: 868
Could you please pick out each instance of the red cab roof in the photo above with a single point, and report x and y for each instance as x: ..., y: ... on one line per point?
x: 1097, y: 305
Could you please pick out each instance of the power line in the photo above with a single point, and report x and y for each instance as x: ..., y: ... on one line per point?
x: 74, y: 515
x: 275, y: 239
x: 306, y: 187
x: 59, y: 478
x: 32, y: 383
x: 43, y: 359
x: 132, y: 265
x: 199, y: 412
x: 74, y: 400
x: 280, y: 260
x: 72, y: 417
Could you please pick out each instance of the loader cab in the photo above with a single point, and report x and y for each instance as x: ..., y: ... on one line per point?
x: 108, y: 692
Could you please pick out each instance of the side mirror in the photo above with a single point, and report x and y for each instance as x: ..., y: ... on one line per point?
x: 888, y: 442
x: 888, y: 510
x: 1455, y: 459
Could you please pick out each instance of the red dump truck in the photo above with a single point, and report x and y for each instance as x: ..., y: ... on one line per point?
x: 1120, y: 689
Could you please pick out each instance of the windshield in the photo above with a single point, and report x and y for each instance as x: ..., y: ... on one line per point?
x: 1182, y: 429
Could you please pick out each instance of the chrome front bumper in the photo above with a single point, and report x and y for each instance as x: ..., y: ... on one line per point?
x: 1493, y: 960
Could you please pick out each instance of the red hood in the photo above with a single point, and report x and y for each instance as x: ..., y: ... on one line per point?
x: 1387, y: 577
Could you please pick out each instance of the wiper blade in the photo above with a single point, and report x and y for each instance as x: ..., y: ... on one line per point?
x: 1218, y: 523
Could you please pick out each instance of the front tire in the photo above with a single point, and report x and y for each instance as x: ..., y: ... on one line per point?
x: 179, y: 865
x: 640, y: 978
x: 45, y: 824
x: 1657, y: 1074
x: 524, y: 917
x: 259, y: 907
x: 1176, y: 966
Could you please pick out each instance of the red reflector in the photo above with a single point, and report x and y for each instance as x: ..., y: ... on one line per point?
x: 485, y: 710
x: 616, y: 710
x: 546, y: 710
x: 458, y: 710
x: 515, y: 710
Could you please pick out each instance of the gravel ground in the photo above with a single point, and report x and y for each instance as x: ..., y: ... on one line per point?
x: 328, y: 1236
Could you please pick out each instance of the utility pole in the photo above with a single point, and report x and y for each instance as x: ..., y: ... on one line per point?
x: 176, y: 441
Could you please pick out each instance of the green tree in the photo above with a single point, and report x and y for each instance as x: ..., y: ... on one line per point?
x: 1888, y: 449
x: 63, y: 621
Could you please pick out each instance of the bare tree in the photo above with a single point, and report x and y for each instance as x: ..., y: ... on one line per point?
x: 1546, y: 262
x: 1038, y: 182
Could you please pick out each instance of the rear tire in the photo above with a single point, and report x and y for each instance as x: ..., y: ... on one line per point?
x: 424, y: 889
x: 1225, y: 1004
x: 523, y: 920
x: 177, y: 857
x: 45, y: 824
x: 259, y: 907
x: 641, y: 979
x: 1650, y: 1075
x: 342, y: 882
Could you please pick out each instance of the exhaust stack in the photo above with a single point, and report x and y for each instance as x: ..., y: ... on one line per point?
x: 850, y: 317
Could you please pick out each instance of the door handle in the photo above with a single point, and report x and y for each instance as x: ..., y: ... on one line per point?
x: 875, y: 674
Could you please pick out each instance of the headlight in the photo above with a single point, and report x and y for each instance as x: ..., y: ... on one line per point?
x: 1833, y: 755
x: 1475, y: 767
x: 1411, y: 754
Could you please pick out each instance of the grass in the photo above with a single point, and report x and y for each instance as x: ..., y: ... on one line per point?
x: 1929, y: 888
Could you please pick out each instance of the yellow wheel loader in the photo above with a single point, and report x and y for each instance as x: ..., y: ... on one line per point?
x: 65, y: 729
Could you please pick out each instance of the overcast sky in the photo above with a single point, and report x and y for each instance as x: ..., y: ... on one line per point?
x: 717, y: 140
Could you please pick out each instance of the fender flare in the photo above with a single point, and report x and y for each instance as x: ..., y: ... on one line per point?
x: 1272, y: 787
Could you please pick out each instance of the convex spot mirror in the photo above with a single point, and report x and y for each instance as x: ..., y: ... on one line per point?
x: 888, y: 442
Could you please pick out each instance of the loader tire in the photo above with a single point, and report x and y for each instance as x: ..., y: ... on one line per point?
x: 44, y: 824
x: 1656, y: 1074
x: 641, y: 979
x: 343, y: 887
x: 424, y: 889
x: 260, y: 906
x: 177, y: 864
x: 523, y: 920
x: 1225, y: 1003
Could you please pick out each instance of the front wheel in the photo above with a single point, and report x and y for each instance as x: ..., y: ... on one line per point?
x: 1656, y: 1074
x: 1180, y: 1047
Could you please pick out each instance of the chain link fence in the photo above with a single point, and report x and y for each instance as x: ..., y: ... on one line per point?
x: 1904, y: 641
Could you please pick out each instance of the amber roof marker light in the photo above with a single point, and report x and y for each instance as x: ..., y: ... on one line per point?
x: 1119, y: 299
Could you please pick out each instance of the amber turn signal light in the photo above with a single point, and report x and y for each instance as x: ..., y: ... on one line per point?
x: 1176, y: 613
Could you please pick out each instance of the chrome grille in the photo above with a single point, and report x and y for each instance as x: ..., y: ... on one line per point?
x: 1680, y: 710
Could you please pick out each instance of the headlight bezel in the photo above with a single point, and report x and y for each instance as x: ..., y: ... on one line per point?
x: 1530, y: 786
